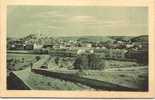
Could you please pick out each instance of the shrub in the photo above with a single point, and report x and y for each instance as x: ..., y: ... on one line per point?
x: 57, y: 60
x: 44, y: 67
x: 23, y: 60
x: 81, y: 62
x: 37, y: 58
x: 88, y: 61
x: 122, y: 75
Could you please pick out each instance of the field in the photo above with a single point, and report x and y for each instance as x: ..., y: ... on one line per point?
x: 20, y: 61
x: 134, y: 79
x: 129, y: 74
x: 40, y: 82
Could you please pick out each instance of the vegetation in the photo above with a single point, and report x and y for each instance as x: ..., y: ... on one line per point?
x: 41, y: 82
x: 121, y: 38
x: 20, y: 61
x: 107, y: 54
x: 134, y: 78
x: 57, y: 60
x: 88, y: 61
x: 37, y: 58
x: 143, y: 38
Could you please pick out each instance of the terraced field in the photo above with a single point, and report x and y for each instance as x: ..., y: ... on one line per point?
x: 41, y: 82
x: 128, y: 74
x: 134, y: 79
x: 20, y: 61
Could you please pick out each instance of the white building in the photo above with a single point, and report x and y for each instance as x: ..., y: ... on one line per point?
x: 89, y: 45
x: 81, y: 51
x: 37, y: 46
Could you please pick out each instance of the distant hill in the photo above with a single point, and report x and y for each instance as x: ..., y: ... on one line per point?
x: 89, y: 38
x: 121, y: 38
x: 142, y: 38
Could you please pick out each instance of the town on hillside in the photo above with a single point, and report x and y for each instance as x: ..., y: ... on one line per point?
x: 112, y: 47
x: 78, y: 63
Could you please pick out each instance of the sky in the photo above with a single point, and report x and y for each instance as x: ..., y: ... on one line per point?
x: 76, y: 21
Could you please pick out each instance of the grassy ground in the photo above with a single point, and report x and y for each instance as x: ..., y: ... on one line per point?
x: 20, y: 61
x: 134, y: 79
x: 40, y: 82
x: 130, y: 74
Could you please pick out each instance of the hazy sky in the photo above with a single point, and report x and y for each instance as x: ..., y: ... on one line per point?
x: 76, y: 20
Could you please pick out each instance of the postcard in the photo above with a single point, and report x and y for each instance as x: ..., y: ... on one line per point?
x: 77, y: 49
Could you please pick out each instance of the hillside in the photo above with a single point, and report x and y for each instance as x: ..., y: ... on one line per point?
x: 121, y: 38
x: 88, y: 38
x: 142, y: 38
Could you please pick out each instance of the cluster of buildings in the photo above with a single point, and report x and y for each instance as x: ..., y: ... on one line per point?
x: 114, y: 50
x: 19, y: 45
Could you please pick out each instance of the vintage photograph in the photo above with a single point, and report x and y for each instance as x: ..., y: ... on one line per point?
x: 93, y: 48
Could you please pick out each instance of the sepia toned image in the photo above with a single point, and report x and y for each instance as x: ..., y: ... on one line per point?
x: 93, y: 48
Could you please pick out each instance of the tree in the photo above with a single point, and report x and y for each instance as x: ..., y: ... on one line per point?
x: 81, y: 62
x: 57, y: 60
x: 92, y: 60
x: 37, y: 58
x: 100, y: 64
x: 23, y: 60
x: 31, y: 65
x: 88, y: 61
